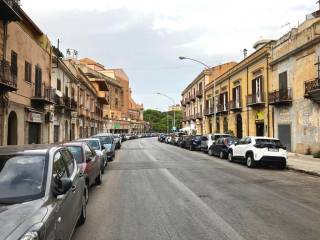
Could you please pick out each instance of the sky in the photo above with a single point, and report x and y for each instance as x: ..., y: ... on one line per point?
x: 146, y: 37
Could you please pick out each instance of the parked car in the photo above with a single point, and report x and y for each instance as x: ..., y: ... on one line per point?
x: 117, y: 140
x: 108, y: 143
x: 211, y: 139
x: 194, y: 143
x: 42, y: 193
x: 88, y: 161
x: 259, y: 150
x: 183, y: 139
x: 221, y: 147
x: 161, y: 137
x: 95, y: 144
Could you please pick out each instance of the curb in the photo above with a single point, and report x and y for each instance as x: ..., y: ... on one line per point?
x: 304, y: 171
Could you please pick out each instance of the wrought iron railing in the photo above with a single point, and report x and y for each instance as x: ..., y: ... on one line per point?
x: 278, y: 96
x: 234, y: 104
x: 311, y: 85
x: 254, y: 99
x: 199, y: 93
x: 5, y: 74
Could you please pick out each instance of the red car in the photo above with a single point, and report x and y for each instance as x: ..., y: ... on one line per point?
x: 88, y: 161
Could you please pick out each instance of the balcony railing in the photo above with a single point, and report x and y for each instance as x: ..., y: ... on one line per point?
x: 199, y: 94
x: 187, y: 100
x: 73, y: 104
x: 199, y: 116
x: 58, y: 101
x: 67, y: 102
x: 279, y: 97
x: 312, y: 89
x: 255, y: 100
x: 183, y: 103
x: 208, y: 111
x: 235, y: 105
x: 43, y: 94
x: 192, y: 97
x: 222, y: 108
x: 8, y: 82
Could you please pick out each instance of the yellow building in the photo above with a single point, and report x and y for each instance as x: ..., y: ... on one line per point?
x: 241, y: 102
x: 193, y: 102
x: 295, y: 88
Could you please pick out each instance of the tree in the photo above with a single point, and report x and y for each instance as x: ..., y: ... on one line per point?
x: 162, y: 121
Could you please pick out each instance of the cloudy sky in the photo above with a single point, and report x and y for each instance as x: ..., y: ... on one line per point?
x: 145, y: 37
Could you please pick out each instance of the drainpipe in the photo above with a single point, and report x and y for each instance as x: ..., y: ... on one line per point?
x: 247, y: 101
x: 268, y: 110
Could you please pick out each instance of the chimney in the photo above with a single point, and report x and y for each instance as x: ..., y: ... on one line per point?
x: 245, y: 53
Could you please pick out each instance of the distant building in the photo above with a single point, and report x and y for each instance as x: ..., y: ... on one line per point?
x: 176, y: 108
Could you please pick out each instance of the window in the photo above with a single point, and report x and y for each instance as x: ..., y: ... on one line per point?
x: 66, y: 91
x: 236, y: 96
x: 88, y: 152
x: 59, y: 167
x: 69, y: 160
x: 14, y: 64
x: 59, y: 84
x: 247, y: 140
x: 72, y: 92
x: 27, y: 72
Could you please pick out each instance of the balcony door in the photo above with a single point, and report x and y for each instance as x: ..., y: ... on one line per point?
x: 283, y: 85
x: 236, y: 96
x: 38, y: 82
x: 257, y: 89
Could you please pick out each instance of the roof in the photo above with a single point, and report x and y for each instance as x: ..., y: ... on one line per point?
x: 37, y: 149
x: 76, y: 144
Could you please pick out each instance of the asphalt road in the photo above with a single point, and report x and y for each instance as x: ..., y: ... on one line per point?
x: 157, y: 191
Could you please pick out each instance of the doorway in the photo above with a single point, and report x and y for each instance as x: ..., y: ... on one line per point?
x: 12, y: 129
x: 284, y: 134
x: 34, y: 133
x: 239, y: 126
x: 259, y: 129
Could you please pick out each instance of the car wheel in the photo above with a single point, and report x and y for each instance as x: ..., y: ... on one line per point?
x: 83, y: 215
x: 210, y: 152
x: 221, y: 155
x: 86, y: 192
x: 250, y: 161
x: 230, y: 157
x: 99, y: 178
x: 282, y: 166
x: 191, y: 148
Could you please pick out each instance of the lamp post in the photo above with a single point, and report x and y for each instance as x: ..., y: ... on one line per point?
x: 214, y: 88
x: 174, y: 113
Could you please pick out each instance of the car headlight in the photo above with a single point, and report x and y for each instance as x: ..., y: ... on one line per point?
x: 30, y: 236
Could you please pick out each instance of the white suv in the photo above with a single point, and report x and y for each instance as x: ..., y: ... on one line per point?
x: 256, y: 150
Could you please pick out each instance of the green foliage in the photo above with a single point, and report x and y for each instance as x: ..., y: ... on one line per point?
x: 161, y: 121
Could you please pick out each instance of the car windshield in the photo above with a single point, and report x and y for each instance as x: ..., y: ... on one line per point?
x: 94, y: 144
x: 77, y: 153
x: 106, y: 140
x: 269, y: 143
x: 22, y: 178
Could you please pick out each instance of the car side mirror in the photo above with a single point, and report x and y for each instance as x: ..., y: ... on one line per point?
x: 89, y: 159
x: 62, y: 186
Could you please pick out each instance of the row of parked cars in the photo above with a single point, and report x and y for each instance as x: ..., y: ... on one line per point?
x: 251, y: 150
x: 44, y: 189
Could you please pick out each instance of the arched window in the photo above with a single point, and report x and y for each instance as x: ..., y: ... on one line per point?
x: 12, y: 138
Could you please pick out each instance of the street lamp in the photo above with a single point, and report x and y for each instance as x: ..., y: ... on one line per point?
x: 214, y: 87
x: 174, y: 113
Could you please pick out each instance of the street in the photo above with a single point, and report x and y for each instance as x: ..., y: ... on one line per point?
x: 158, y: 191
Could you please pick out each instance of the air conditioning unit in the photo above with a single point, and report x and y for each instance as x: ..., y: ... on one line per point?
x: 49, y: 117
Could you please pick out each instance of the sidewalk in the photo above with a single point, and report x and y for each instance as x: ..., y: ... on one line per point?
x: 304, y: 163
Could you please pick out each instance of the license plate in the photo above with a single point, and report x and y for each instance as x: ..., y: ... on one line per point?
x: 273, y: 150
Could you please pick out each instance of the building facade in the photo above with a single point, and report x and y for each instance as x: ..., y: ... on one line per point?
x: 295, y: 87
x: 194, y: 99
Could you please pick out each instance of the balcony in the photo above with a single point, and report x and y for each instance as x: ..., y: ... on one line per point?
x: 199, y: 116
x: 192, y: 98
x: 235, y: 105
x: 280, y: 97
x: 254, y: 100
x: 67, y: 102
x: 82, y: 112
x: 9, y: 10
x: 187, y: 100
x: 192, y: 117
x: 183, y: 103
x: 312, y: 90
x: 43, y: 95
x: 8, y: 82
x: 59, y: 101
x: 199, y: 94
x: 208, y: 111
x: 222, y: 108
x: 103, y: 98
x: 74, y: 104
